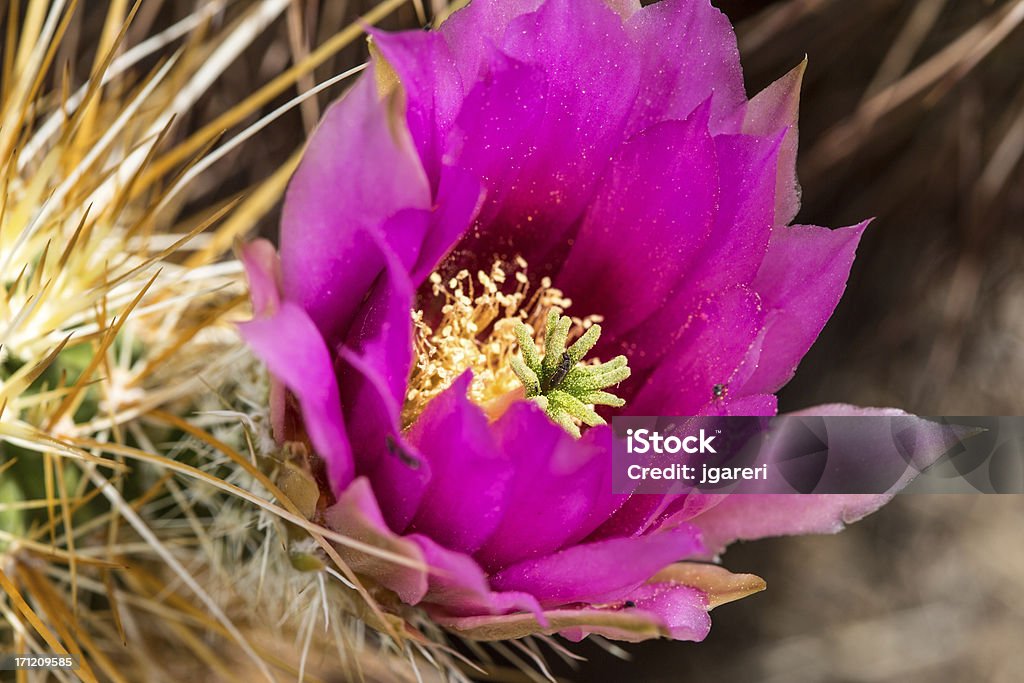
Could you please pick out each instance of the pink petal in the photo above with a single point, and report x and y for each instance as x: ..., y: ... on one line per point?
x: 446, y: 582
x: 689, y: 54
x: 474, y: 29
x: 459, y: 198
x: 800, y: 282
x: 458, y: 587
x: 376, y: 360
x: 747, y: 167
x: 710, y: 349
x: 429, y: 75
x: 540, y: 126
x: 263, y: 267
x: 774, y: 108
x: 650, y: 217
x: 560, y: 488
x: 596, y: 572
x: 337, y: 201
x: 357, y: 515
x: 680, y: 611
x: 295, y: 353
x: 752, y: 516
x: 468, y: 490
x: 731, y: 254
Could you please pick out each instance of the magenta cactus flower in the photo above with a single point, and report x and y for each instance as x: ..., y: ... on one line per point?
x: 545, y: 213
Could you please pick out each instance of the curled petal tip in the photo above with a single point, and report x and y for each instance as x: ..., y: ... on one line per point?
x: 719, y: 584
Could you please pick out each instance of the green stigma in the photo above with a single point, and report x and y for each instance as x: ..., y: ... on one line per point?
x: 565, y: 389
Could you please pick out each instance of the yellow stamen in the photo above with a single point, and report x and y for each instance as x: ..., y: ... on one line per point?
x: 475, y: 330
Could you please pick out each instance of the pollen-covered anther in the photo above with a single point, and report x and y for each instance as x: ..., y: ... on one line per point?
x: 472, y: 324
x: 565, y: 387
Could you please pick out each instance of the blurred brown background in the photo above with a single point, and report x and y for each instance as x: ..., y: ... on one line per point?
x: 913, y: 112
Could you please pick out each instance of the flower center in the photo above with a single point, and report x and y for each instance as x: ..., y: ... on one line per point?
x: 479, y: 323
x: 559, y: 382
